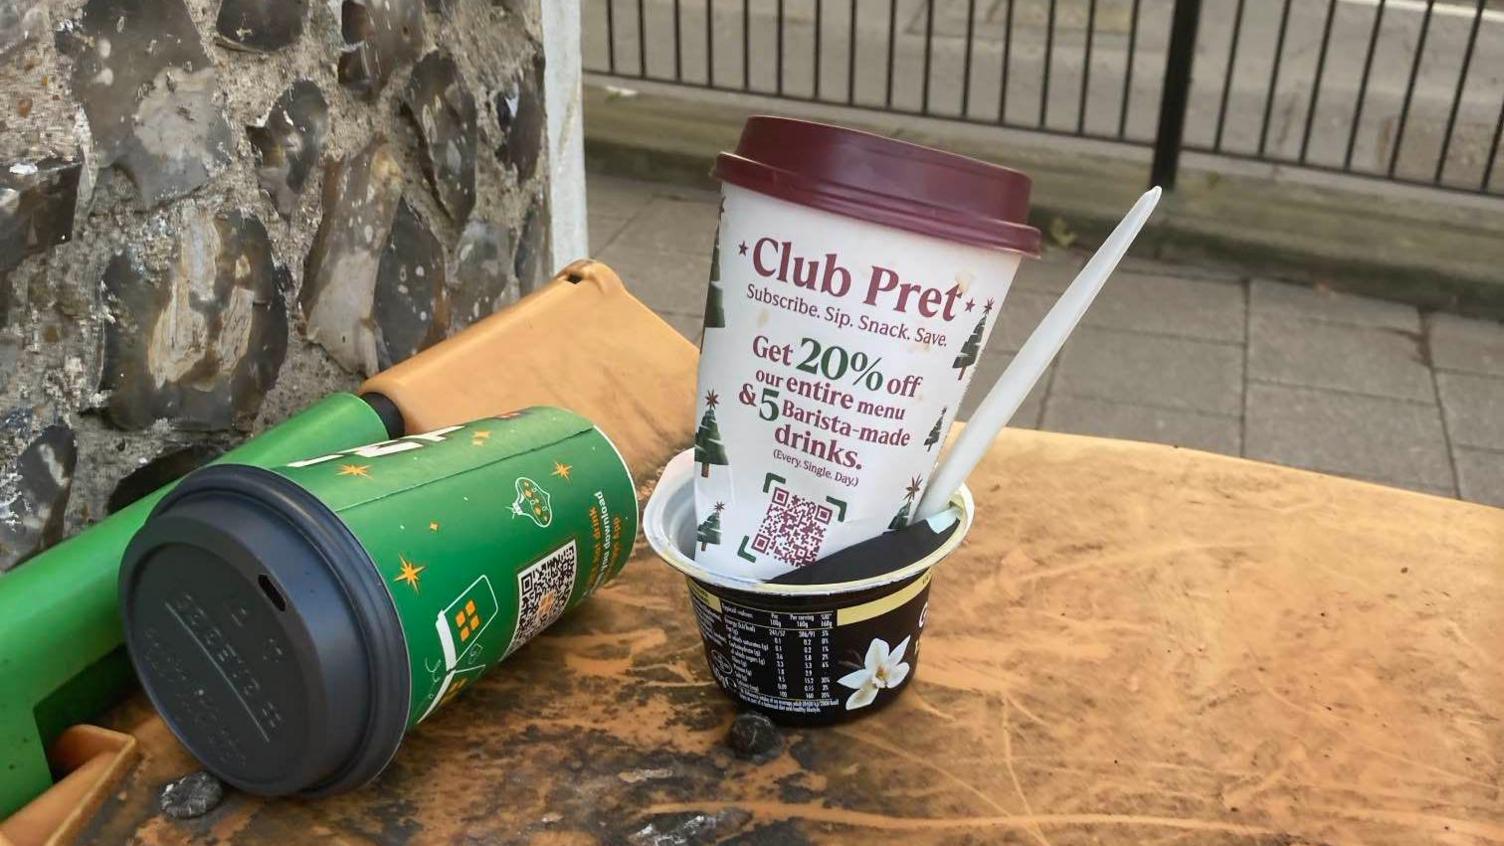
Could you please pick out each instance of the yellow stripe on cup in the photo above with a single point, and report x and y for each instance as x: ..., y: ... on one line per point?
x: 878, y: 607
x: 705, y: 596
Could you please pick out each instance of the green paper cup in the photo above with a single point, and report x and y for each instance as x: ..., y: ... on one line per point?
x: 292, y: 624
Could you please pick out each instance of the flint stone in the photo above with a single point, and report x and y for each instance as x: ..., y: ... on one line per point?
x: 260, y: 25
x: 20, y: 424
x: 201, y: 346
x: 38, y: 201
x: 361, y: 197
x: 150, y: 95
x: 10, y: 347
x: 519, y: 116
x: 754, y: 737
x: 289, y: 143
x: 441, y: 105
x: 20, y: 21
x: 533, y: 247
x: 379, y: 36
x: 191, y: 796
x: 34, y: 495
x: 694, y: 828
x: 167, y: 467
x: 411, y: 306
x: 483, y: 280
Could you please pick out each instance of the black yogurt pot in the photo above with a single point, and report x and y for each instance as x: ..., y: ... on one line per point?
x: 807, y: 654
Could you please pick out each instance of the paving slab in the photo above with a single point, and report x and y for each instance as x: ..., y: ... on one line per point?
x: 1203, y: 308
x: 1356, y: 236
x: 1308, y: 353
x: 1480, y: 475
x: 674, y: 225
x: 667, y: 281
x: 611, y: 203
x: 1151, y: 370
x: 1023, y: 308
x: 990, y: 366
x: 613, y: 196
x: 1465, y: 344
x: 1139, y: 262
x: 1474, y: 408
x: 1211, y: 432
x: 1392, y: 441
x: 689, y: 193
x: 1271, y: 299
x: 1447, y: 491
x: 603, y: 230
x: 1051, y: 273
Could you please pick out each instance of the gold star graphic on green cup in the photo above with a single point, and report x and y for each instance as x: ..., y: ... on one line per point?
x: 410, y: 573
x: 361, y: 470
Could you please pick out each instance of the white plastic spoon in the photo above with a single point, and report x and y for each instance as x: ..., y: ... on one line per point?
x: 1030, y: 363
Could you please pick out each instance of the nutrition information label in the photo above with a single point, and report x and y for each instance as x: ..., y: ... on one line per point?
x: 779, y: 660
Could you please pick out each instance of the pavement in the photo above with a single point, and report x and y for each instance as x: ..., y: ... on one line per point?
x: 1180, y: 353
x: 1428, y: 248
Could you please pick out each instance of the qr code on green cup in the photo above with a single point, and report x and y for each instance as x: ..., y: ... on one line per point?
x: 543, y: 590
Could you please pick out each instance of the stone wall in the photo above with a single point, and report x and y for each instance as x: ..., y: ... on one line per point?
x: 215, y: 212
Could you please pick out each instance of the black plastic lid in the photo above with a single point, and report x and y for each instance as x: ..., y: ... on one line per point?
x: 264, y: 636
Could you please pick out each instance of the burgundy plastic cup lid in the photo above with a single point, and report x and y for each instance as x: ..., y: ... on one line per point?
x: 880, y: 180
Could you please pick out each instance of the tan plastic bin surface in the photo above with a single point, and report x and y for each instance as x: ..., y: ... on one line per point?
x: 581, y: 342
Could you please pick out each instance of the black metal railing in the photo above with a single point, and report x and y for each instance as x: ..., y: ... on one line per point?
x: 1409, y: 91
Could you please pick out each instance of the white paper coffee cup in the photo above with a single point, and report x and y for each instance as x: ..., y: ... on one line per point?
x: 838, y: 342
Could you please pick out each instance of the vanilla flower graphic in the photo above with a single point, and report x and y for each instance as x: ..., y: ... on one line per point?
x: 884, y: 669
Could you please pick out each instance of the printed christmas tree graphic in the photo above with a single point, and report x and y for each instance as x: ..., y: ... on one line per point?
x: 973, y: 346
x: 934, y: 437
x: 709, y: 531
x: 715, y: 310
x: 901, y: 519
x: 708, y: 447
